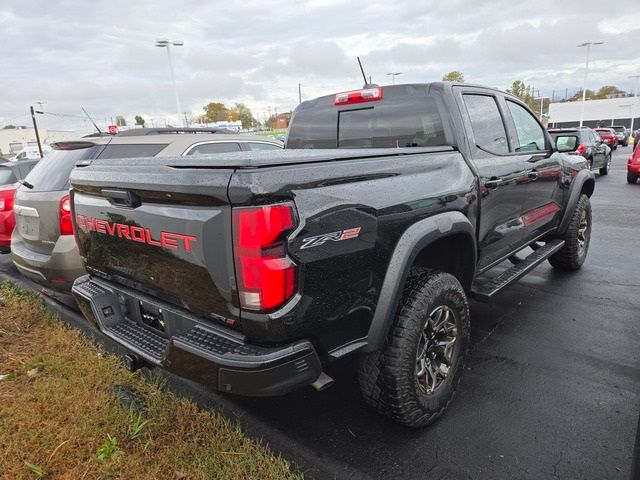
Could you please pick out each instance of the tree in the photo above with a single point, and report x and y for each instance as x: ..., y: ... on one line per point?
x: 454, y: 76
x: 120, y: 121
x: 524, y: 93
x: 244, y: 115
x: 139, y: 120
x: 609, y: 91
x: 215, y: 112
x: 9, y: 127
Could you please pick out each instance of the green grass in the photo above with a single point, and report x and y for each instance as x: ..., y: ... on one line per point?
x: 59, y: 418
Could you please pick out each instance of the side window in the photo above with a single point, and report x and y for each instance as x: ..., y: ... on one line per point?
x: 529, y: 132
x: 486, y: 123
x: 217, y: 147
x: 262, y: 146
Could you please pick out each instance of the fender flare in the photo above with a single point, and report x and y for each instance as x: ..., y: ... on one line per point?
x: 575, y: 191
x: 411, y: 243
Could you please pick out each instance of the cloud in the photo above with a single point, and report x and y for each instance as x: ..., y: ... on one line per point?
x: 102, y: 55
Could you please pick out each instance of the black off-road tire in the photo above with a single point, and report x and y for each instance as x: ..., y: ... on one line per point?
x: 572, y: 255
x: 607, y: 164
x: 388, y: 378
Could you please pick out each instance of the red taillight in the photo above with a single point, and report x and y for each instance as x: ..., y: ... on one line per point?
x: 358, y: 96
x: 6, y: 199
x: 581, y: 149
x: 266, y: 276
x: 64, y: 214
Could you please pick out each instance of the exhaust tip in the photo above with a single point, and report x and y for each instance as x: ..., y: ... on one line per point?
x: 323, y: 382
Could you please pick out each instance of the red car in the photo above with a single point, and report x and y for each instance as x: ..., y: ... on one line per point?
x: 10, y: 174
x: 633, y: 166
x: 608, y: 136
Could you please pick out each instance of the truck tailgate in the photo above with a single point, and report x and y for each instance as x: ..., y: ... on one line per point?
x: 158, y: 227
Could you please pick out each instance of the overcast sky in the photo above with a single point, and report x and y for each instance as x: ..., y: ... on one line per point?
x: 101, y: 55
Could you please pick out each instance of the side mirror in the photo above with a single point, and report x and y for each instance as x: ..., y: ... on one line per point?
x: 566, y: 143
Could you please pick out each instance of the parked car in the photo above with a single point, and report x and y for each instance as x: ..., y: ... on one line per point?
x: 608, y: 136
x: 10, y: 174
x: 42, y: 244
x: 253, y: 273
x: 622, y: 135
x: 633, y: 166
x: 589, y: 145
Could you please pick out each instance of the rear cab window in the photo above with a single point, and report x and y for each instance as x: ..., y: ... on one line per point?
x: 406, y: 116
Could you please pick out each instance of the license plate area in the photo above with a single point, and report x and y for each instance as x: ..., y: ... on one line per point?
x: 27, y: 222
x: 151, y: 316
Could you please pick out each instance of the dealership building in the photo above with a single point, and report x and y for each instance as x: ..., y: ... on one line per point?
x: 13, y: 140
x: 597, y: 113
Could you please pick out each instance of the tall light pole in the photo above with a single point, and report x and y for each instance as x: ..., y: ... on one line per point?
x: 586, y: 70
x: 164, y: 43
x: 393, y: 76
x: 634, y: 109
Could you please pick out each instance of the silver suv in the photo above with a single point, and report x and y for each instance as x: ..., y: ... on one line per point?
x: 42, y: 243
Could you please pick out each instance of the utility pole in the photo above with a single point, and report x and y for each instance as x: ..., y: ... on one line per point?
x: 35, y: 127
x: 270, y: 119
x: 299, y: 93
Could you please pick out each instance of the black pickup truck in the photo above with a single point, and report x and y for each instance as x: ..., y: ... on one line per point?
x: 253, y: 271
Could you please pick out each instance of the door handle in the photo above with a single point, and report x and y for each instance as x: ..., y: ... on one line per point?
x: 533, y: 175
x: 493, y: 182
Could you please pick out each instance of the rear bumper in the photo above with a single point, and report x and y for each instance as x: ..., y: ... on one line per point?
x: 633, y: 168
x: 58, y: 270
x: 184, y: 344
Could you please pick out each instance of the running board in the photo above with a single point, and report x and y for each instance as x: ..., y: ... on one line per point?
x: 487, y: 289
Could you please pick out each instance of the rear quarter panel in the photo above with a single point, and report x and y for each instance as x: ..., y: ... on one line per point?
x: 339, y: 281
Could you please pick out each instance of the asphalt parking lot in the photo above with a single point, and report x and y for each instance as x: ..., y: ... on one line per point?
x: 552, y: 387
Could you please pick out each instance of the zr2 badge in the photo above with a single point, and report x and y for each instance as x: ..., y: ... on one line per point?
x: 338, y: 236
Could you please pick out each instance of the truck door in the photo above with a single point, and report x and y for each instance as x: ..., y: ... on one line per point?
x: 541, y: 190
x: 502, y: 175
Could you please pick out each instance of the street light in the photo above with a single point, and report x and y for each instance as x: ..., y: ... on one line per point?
x: 586, y: 69
x: 164, y: 43
x: 635, y: 102
x: 393, y: 76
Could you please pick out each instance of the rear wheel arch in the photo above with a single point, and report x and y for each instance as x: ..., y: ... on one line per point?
x: 444, y: 242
